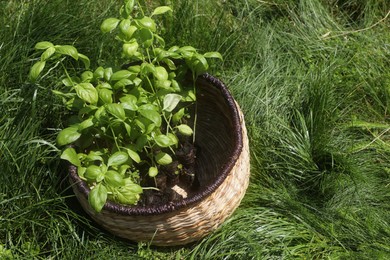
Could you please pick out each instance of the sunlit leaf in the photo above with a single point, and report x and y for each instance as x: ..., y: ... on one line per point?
x: 152, y: 115
x: 68, y: 135
x: 86, y: 76
x: 147, y: 22
x: 161, y: 10
x: 67, y: 50
x: 87, y: 92
x: 109, y: 24
x: 105, y: 95
x: 185, y: 130
x: 130, y: 49
x: 128, y: 194
x: 153, y: 171
x: 133, y: 155
x: 86, y: 124
x: 215, y: 55
x: 70, y: 155
x: 160, y: 73
x: 121, y: 74
x: 85, y: 60
x: 117, y: 158
x: 163, y: 158
x: 163, y: 141
x: 43, y: 45
x: 178, y: 115
x: 107, y: 73
x: 36, y: 69
x: 114, y: 179
x: 116, y: 110
x: 48, y: 53
x: 97, y: 197
x: 95, y: 173
x: 129, y: 102
x: 171, y: 101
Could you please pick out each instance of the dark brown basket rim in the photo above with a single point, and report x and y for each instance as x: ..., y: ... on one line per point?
x: 204, y: 193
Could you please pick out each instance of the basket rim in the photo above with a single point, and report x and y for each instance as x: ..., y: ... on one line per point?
x: 169, y: 207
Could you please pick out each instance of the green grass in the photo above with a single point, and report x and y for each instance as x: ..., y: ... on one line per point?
x: 313, y: 80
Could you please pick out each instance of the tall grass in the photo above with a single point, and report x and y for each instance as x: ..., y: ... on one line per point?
x: 313, y: 81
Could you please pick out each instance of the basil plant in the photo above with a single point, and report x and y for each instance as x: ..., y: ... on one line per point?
x: 125, y: 123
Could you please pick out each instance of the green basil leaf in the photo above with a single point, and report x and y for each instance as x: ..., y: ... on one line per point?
x: 153, y: 171
x: 105, y: 95
x: 129, y: 102
x: 36, y: 69
x: 68, y: 135
x: 87, y: 92
x: 109, y: 24
x: 67, y: 50
x: 130, y: 49
x: 85, y: 60
x: 160, y: 73
x: 161, y: 10
x: 86, y: 124
x: 198, y: 64
x: 150, y: 128
x: 190, y: 96
x: 163, y: 158
x: 129, y: 6
x: 123, y: 168
x: 171, y: 101
x: 215, y: 55
x: 43, y: 45
x: 171, y: 65
x: 97, y: 197
x: 48, y: 53
x: 135, y: 69
x: 127, y: 29
x: 163, y: 141
x: 99, y: 73
x: 121, y: 84
x: 128, y: 128
x: 114, y: 179
x: 70, y: 155
x: 133, y: 155
x: 174, y: 139
x: 139, y: 122
x: 152, y: 115
x: 122, y: 74
x: 95, y: 173
x: 95, y: 156
x: 184, y: 130
x: 117, y: 158
x: 107, y: 74
x: 81, y: 171
x: 163, y: 84
x: 68, y: 82
x: 116, y: 110
x: 86, y: 76
x: 129, y: 194
x: 147, y: 68
x: 146, y: 22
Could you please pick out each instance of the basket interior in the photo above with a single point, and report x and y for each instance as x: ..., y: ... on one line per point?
x: 216, y: 136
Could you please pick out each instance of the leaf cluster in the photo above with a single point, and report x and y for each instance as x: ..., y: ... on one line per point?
x: 128, y: 120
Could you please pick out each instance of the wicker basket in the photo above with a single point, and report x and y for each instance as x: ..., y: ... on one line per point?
x: 222, y: 168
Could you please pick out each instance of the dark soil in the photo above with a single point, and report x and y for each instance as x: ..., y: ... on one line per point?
x: 175, y: 181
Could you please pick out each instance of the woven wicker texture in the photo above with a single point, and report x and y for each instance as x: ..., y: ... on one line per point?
x: 222, y: 168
